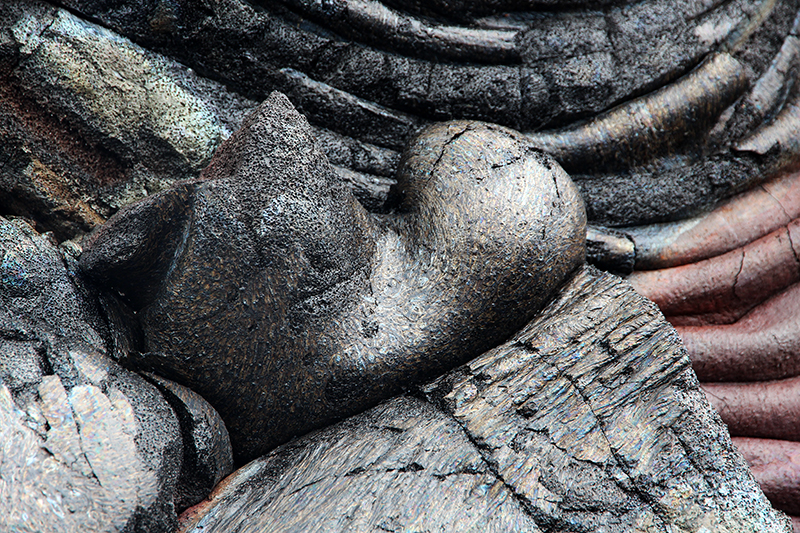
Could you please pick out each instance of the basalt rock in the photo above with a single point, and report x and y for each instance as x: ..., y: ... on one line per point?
x: 589, y: 419
x: 266, y: 275
x: 731, y: 224
x: 87, y: 445
x: 731, y: 289
x: 91, y: 122
x: 207, y: 453
x: 776, y: 466
x: 403, y: 465
x: 83, y: 138
x: 655, y: 107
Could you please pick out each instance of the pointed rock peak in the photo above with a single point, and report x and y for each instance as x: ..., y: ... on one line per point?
x: 274, y: 139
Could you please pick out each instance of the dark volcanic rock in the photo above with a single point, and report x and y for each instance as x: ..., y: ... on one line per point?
x: 88, y: 445
x: 375, y: 72
x: 401, y: 466
x: 600, y: 390
x: 656, y: 108
x: 536, y: 68
x: 83, y: 137
x: 207, y: 453
x: 660, y: 107
x: 267, y: 275
x: 589, y: 419
x: 91, y: 122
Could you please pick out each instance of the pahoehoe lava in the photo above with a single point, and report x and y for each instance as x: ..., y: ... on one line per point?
x: 264, y: 285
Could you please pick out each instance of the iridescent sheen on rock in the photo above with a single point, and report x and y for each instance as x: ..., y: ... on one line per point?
x: 268, y: 289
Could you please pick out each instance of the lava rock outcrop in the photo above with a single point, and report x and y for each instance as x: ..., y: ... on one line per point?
x: 265, y: 287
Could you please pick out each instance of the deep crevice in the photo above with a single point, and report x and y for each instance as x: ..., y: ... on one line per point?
x: 794, y: 251
x: 736, y: 276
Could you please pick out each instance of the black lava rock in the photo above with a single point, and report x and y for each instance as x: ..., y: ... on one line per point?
x: 578, y: 423
x: 90, y: 445
x: 265, y: 287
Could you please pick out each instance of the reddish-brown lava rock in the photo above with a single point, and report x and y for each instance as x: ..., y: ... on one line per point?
x: 776, y: 466
x: 722, y: 289
x: 767, y: 409
x: 734, y: 300
x: 761, y: 345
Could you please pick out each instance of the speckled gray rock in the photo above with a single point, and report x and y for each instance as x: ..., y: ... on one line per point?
x: 91, y: 121
x: 87, y: 445
x: 589, y: 419
x: 267, y: 272
x: 376, y: 71
x: 656, y: 108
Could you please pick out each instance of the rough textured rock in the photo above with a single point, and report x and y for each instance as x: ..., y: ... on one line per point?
x: 733, y: 298
x: 207, y: 452
x: 87, y: 445
x: 535, y: 69
x: 733, y: 224
x: 642, y: 425
x: 776, y: 466
x: 83, y: 473
x: 75, y: 144
x: 686, y: 102
x: 589, y: 419
x: 533, y: 74
x: 319, y: 307
x: 92, y: 122
x: 403, y: 465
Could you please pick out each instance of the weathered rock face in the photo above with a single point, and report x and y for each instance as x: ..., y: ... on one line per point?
x: 267, y: 272
x: 776, y: 466
x: 688, y: 101
x: 404, y: 465
x: 207, y: 453
x: 729, y: 282
x: 695, y: 101
x: 87, y: 445
x: 92, y: 122
x: 684, y: 102
x: 589, y: 419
